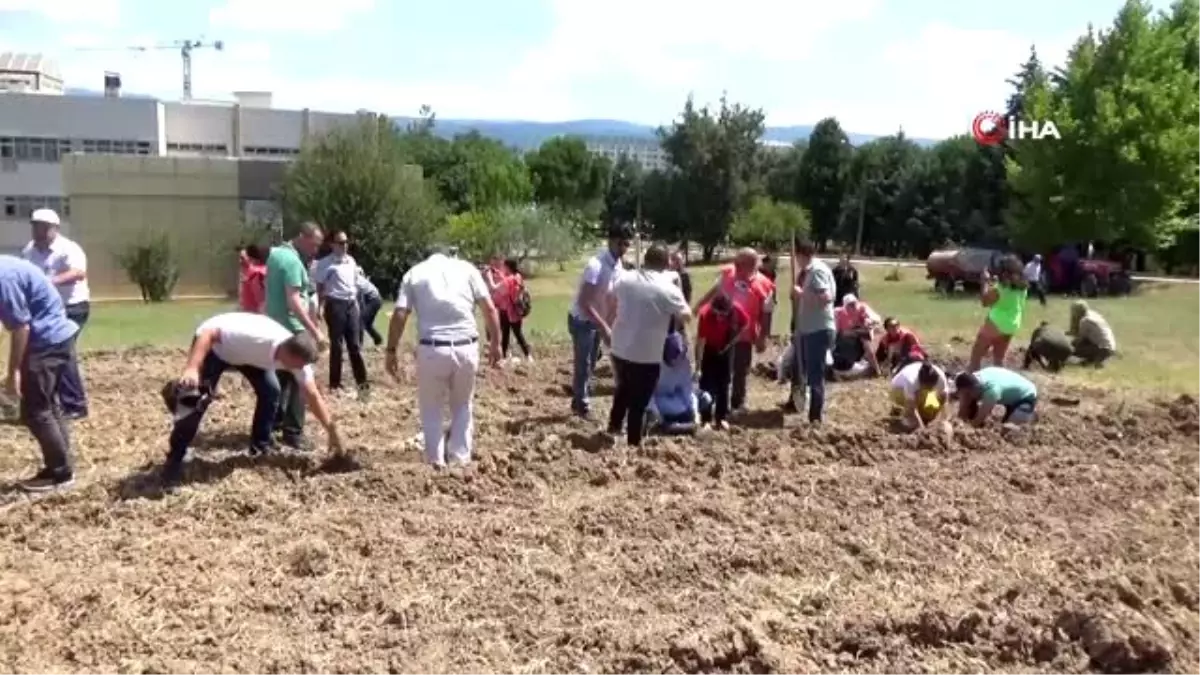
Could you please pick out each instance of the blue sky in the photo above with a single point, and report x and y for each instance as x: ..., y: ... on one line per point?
x: 927, y: 66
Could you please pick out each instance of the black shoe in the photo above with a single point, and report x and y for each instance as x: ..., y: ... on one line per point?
x: 48, y: 480
x: 260, y: 449
x: 297, y: 443
x: 789, y: 407
x: 171, y: 479
x: 74, y: 415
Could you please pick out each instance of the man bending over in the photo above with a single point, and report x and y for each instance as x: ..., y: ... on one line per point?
x: 256, y: 346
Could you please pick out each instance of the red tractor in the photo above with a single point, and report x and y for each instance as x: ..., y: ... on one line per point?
x: 1090, y: 278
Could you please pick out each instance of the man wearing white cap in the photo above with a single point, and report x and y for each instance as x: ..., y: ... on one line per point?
x: 65, y: 263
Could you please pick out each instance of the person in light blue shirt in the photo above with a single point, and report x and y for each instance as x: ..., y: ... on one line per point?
x: 41, y: 353
x: 979, y: 392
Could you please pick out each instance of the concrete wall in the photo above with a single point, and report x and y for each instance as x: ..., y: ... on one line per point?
x: 115, y: 201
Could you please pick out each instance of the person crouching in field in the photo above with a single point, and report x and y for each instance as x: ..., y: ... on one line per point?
x: 1049, y: 347
x: 979, y: 392
x: 920, y: 392
x: 1005, y: 301
x: 719, y: 326
x: 257, y: 346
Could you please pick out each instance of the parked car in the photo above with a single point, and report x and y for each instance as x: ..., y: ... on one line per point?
x: 951, y: 267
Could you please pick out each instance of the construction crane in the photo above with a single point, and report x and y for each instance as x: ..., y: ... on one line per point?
x: 185, y: 47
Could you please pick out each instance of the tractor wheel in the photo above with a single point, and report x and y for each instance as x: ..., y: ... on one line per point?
x: 1089, y: 286
x: 1120, y: 284
x: 944, y: 284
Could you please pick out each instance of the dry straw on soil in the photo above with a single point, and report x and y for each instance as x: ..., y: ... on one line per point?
x: 1072, y: 546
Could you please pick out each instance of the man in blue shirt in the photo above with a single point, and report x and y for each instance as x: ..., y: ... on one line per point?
x: 41, y: 353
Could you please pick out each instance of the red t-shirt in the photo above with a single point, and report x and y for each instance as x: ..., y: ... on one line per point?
x: 904, y: 343
x: 716, y: 330
x: 510, y: 291
x: 252, y: 290
x: 754, y: 297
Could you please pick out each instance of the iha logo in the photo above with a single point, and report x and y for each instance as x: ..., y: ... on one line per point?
x: 992, y: 129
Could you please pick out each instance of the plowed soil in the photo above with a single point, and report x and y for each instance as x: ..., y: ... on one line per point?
x: 1068, y: 547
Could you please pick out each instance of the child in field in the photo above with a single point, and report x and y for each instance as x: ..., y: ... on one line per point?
x: 719, y: 326
x: 1005, y: 301
x: 252, y: 285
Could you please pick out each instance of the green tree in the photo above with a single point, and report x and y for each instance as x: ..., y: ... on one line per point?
x: 768, y: 225
x: 567, y: 175
x: 821, y: 179
x: 664, y: 206
x: 781, y: 172
x: 872, y: 218
x: 356, y: 179
x: 714, y: 156
x: 624, y: 191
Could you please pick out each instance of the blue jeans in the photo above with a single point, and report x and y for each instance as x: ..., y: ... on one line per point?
x: 810, y: 355
x: 266, y: 391
x: 584, y: 340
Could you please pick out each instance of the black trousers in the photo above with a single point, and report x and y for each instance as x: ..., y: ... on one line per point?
x: 743, y: 358
x: 344, y: 321
x: 1036, y: 290
x: 71, y: 394
x: 510, y: 329
x: 635, y: 387
x: 370, y: 309
x: 716, y: 373
x: 42, y: 375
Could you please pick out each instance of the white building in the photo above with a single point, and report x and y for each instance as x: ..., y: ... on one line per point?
x: 29, y: 73
x: 36, y: 132
x: 645, y: 151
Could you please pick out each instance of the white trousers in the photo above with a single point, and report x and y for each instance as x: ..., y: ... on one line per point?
x: 447, y: 375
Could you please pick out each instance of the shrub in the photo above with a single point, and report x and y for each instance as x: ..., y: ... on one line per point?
x: 150, y: 263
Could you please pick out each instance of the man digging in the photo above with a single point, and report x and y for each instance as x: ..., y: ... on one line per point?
x: 257, y: 346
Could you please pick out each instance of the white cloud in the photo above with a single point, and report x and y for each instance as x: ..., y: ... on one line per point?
x: 933, y: 84
x: 674, y: 43
x: 305, y: 16
x: 104, y: 13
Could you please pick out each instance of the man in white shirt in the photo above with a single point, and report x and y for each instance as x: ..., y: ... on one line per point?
x: 1033, y: 277
x: 444, y: 292
x: 647, y: 303
x: 257, y: 346
x: 336, y: 277
x: 65, y: 262
x: 589, y: 317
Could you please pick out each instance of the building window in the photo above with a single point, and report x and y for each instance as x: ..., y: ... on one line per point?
x: 199, y: 148
x: 23, y: 206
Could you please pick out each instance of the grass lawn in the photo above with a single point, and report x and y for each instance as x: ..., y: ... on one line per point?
x: 1156, y: 328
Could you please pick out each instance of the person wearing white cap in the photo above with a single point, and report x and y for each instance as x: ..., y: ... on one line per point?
x: 65, y: 263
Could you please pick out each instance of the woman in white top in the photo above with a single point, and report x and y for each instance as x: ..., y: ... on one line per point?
x: 920, y: 390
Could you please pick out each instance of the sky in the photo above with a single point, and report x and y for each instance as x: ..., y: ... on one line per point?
x: 924, y: 66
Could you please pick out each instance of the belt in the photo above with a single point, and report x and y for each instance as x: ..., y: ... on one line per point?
x: 448, y: 343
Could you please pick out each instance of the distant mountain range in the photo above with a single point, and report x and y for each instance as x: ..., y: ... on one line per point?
x: 529, y: 135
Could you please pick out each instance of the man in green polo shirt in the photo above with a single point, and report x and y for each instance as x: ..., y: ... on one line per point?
x: 288, y: 291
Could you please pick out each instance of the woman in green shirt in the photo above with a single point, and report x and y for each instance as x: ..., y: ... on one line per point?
x: 1005, y: 301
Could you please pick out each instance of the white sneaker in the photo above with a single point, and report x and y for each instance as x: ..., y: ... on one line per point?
x: 529, y: 359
